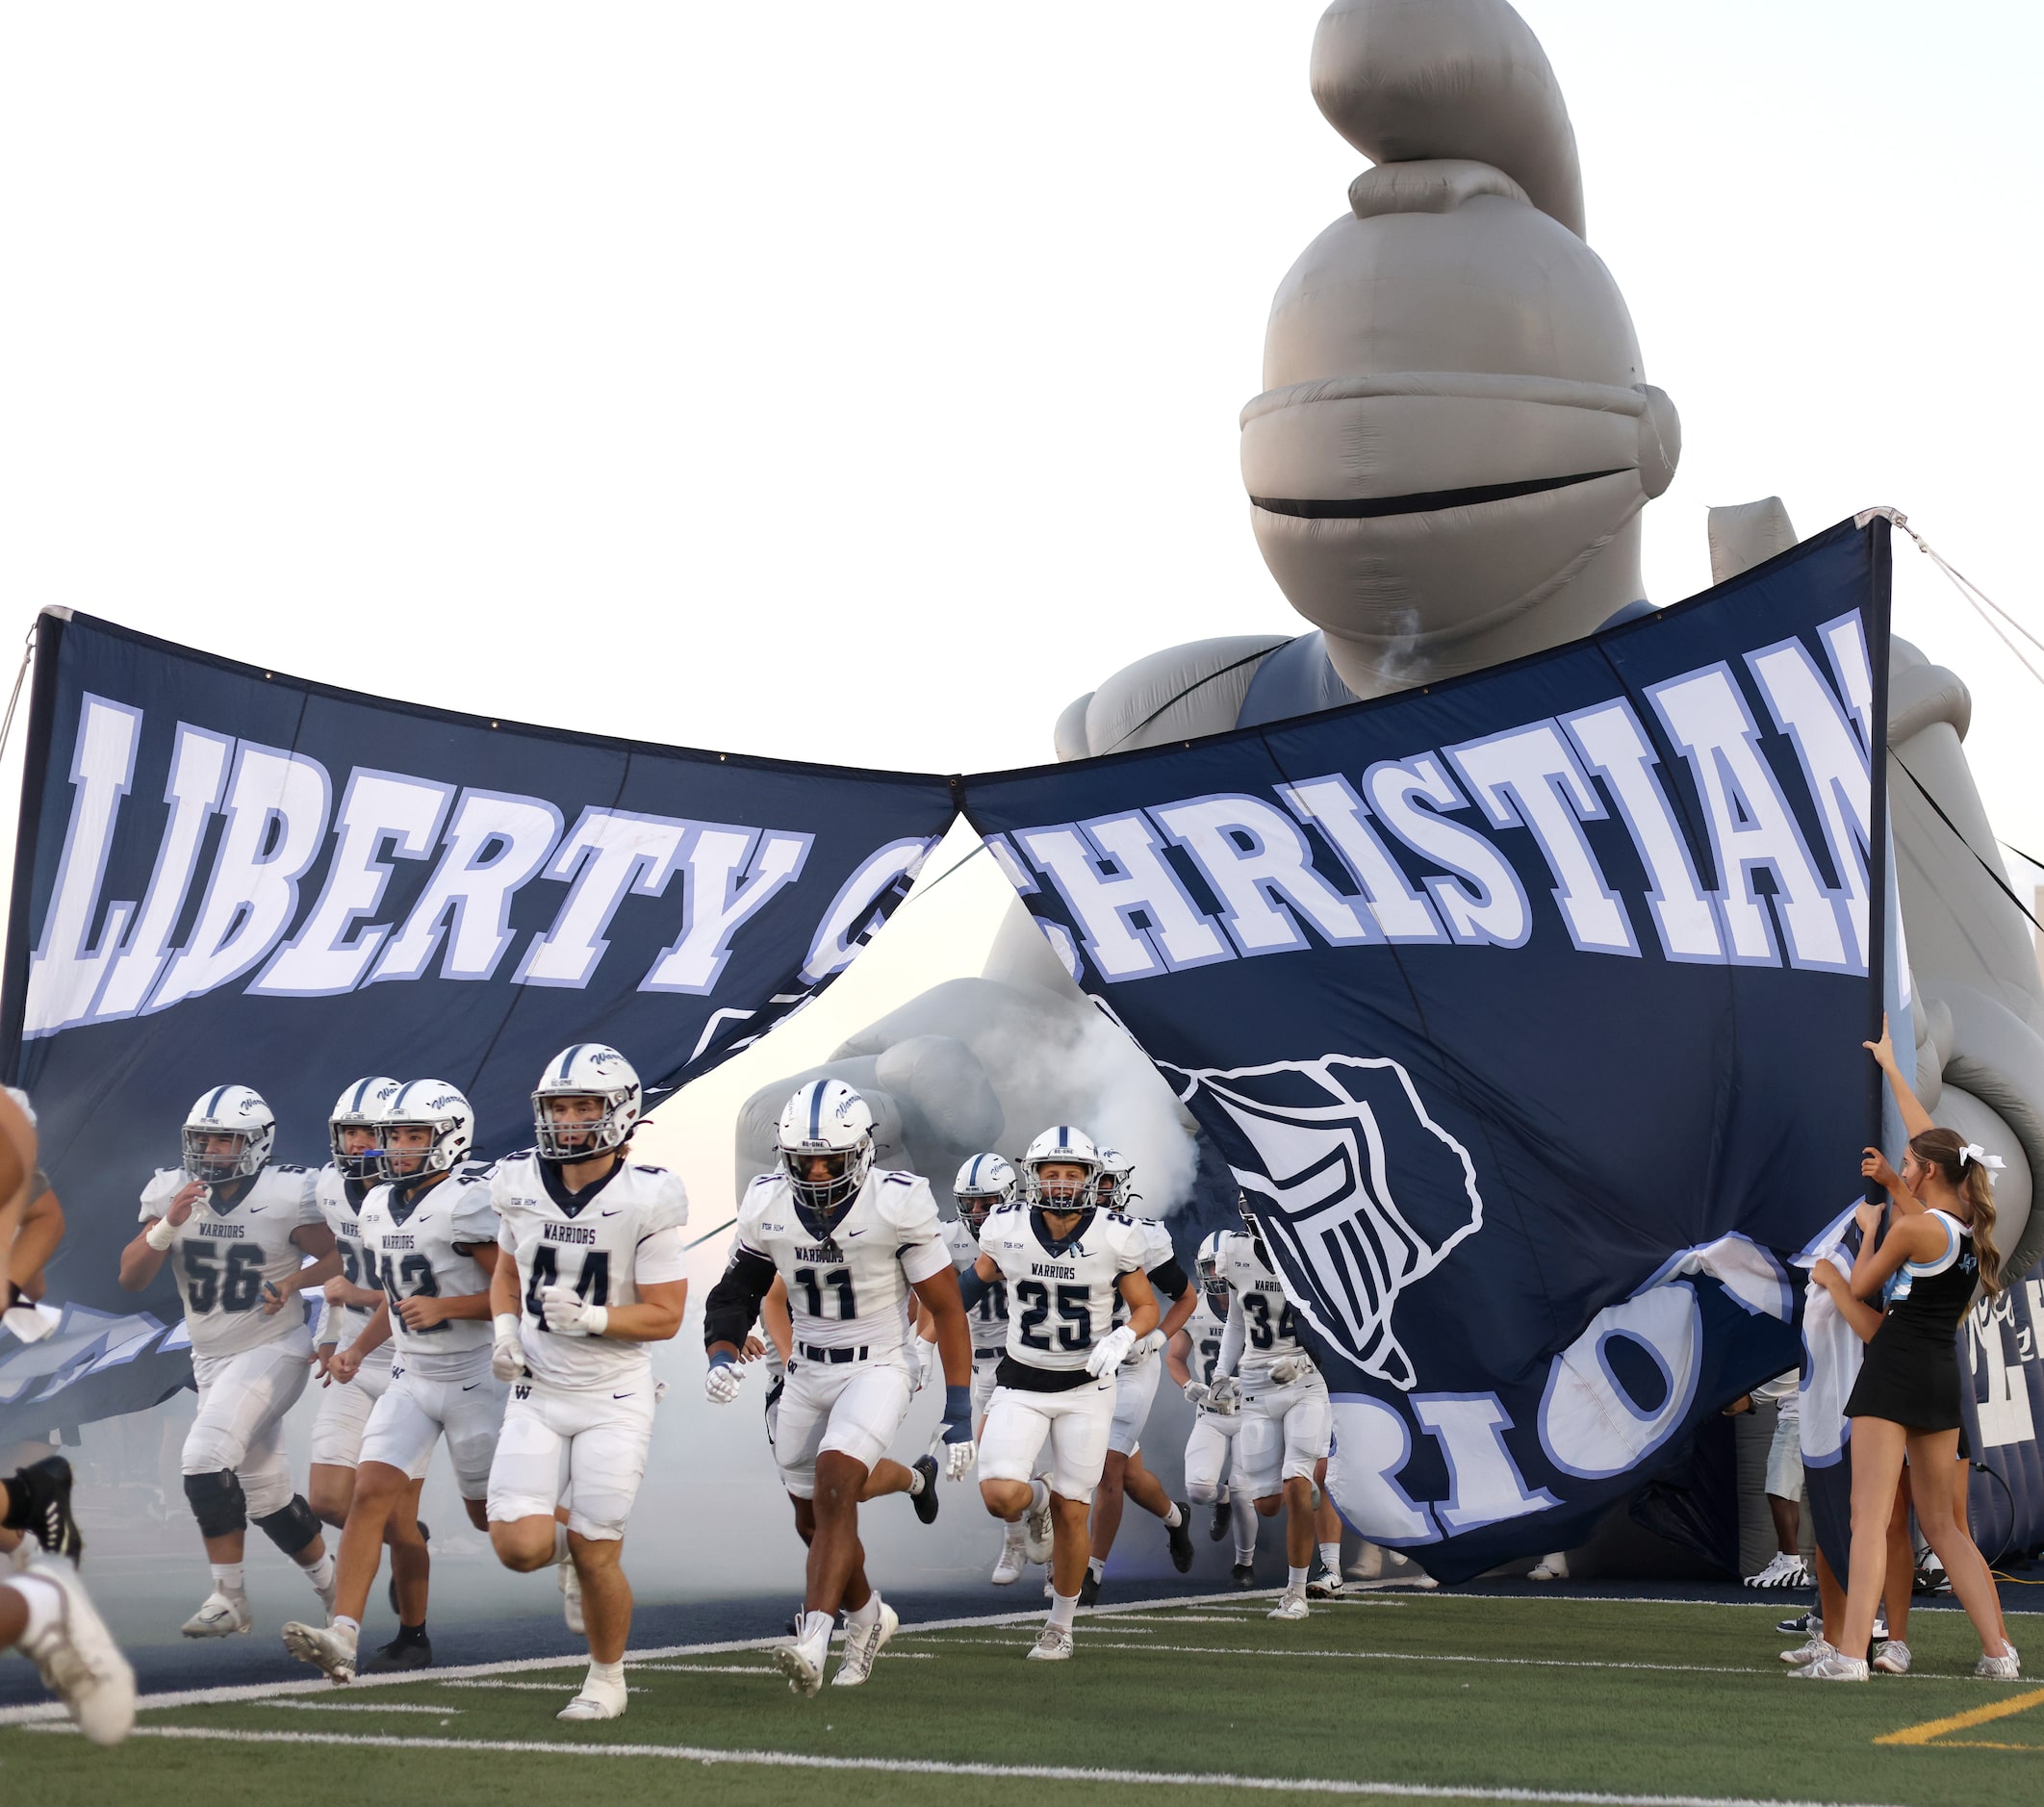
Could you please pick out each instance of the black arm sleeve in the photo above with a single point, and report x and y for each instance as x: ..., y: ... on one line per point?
x: 1170, y: 1279
x: 733, y: 1303
x: 971, y: 1287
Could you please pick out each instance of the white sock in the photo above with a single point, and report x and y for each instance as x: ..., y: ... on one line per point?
x: 1297, y: 1577
x: 1331, y: 1557
x: 1174, y: 1518
x: 1245, y: 1510
x: 1062, y: 1607
x: 560, y: 1542
x: 863, y: 1616
x: 322, y: 1573
x: 228, y: 1579
x: 611, y: 1673
x: 44, y: 1601
x: 1011, y: 1531
x: 816, y: 1628
x: 1096, y: 1568
x: 915, y: 1482
x: 346, y: 1627
x: 1038, y: 1495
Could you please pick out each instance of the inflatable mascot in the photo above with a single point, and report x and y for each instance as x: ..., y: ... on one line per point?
x: 1447, y: 469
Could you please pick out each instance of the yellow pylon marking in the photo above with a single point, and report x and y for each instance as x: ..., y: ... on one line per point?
x: 1964, y: 1722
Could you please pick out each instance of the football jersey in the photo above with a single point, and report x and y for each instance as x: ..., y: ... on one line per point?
x: 1205, y: 1327
x: 224, y: 1253
x: 988, y: 1318
x: 1258, y: 1299
x: 1157, y: 1251
x: 588, y: 1240
x: 416, y: 1253
x: 851, y: 1291
x: 341, y: 1201
x: 1060, y: 1304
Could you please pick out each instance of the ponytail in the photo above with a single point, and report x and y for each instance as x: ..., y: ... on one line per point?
x: 1944, y: 1149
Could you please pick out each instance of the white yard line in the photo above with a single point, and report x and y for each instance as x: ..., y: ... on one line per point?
x: 353, y: 1706
x: 537, y: 1688
x: 986, y: 1771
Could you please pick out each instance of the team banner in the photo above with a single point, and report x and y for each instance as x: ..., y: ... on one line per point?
x: 224, y: 874
x: 1526, y: 1009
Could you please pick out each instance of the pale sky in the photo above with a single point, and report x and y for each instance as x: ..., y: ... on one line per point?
x: 859, y: 384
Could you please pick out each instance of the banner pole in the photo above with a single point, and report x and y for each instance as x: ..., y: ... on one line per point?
x: 50, y: 625
x: 1880, y: 586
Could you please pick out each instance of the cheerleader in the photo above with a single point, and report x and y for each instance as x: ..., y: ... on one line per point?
x: 1939, y: 1245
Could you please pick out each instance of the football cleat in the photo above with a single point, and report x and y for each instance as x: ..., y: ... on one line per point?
x: 570, y: 1593
x: 222, y: 1616
x: 1801, y: 1622
x: 81, y: 1663
x: 1551, y: 1567
x: 1291, y: 1604
x: 1245, y: 1574
x: 596, y: 1700
x: 400, y: 1654
x: 1007, y: 1570
x: 1181, y: 1535
x: 926, y: 1502
x: 1054, y: 1644
x: 1221, y: 1522
x: 1786, y: 1570
x: 1833, y: 1668
x: 1037, y: 1535
x: 329, y: 1651
x: 1089, y: 1589
x: 803, y: 1664
x: 1892, y: 1657
x: 40, y: 1495
x: 1327, y: 1585
x: 855, y: 1663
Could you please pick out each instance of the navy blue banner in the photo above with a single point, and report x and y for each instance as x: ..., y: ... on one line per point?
x: 1526, y: 1009
x: 226, y: 873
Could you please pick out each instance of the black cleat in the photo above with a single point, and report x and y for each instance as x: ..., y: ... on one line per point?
x: 1245, y: 1574
x: 1222, y: 1521
x: 1801, y: 1625
x: 1089, y: 1589
x: 424, y: 1537
x: 401, y: 1653
x: 926, y: 1502
x: 1181, y: 1535
x: 39, y: 1502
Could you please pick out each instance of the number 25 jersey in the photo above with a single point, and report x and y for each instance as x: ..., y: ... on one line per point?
x: 224, y: 1253
x: 417, y: 1251
x: 1060, y: 1302
x: 590, y: 1242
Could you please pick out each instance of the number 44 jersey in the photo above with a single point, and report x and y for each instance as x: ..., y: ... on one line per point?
x: 224, y: 1253
x: 604, y: 1242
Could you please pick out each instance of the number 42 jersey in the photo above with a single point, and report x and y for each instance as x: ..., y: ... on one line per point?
x: 417, y: 1249
x: 224, y: 1253
x: 604, y: 1242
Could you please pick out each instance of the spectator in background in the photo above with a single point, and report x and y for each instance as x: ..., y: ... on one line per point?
x: 1784, y: 1480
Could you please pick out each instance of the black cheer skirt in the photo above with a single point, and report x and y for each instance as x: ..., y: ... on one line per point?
x: 1910, y: 1378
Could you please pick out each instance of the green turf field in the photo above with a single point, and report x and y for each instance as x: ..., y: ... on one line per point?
x: 1399, y: 1695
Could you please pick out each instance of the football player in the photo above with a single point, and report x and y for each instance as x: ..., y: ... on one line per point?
x: 429, y: 1234
x: 354, y: 1131
x: 596, y: 1271
x: 1068, y: 1265
x: 35, y: 1239
x: 1136, y: 1388
x: 1288, y: 1420
x: 1192, y: 1357
x: 45, y: 1609
x: 236, y: 1228
x: 851, y: 1241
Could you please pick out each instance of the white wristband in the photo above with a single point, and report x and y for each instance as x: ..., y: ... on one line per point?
x: 161, y: 1233
x: 508, y: 1325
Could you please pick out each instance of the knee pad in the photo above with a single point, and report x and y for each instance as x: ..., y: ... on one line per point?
x: 217, y: 1503
x: 290, y: 1527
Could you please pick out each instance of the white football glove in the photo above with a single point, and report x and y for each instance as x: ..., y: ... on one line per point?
x: 958, y: 1459
x: 928, y: 1363
x: 507, y: 1356
x: 720, y: 1384
x: 1197, y: 1394
x: 25, y: 1322
x: 1225, y: 1396
x: 1289, y: 1368
x: 1146, y: 1345
x: 1111, y: 1351
x: 569, y: 1314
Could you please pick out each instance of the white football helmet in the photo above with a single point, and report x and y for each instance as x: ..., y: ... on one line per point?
x: 1208, y: 1263
x: 587, y: 1070
x: 236, y: 1111
x: 1116, y: 1187
x: 430, y: 1104
x: 1061, y: 1143
x: 361, y: 1107
x: 984, y: 1182
x: 826, y: 1118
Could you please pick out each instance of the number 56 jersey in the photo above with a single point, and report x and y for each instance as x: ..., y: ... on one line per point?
x: 604, y: 1242
x: 224, y: 1253
x: 1061, y: 1302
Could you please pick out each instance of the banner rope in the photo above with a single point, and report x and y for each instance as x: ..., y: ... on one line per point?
x: 27, y: 655
x: 1977, y: 598
x: 2001, y: 883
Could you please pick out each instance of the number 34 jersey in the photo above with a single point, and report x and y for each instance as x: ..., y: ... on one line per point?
x: 1257, y: 1297
x: 850, y: 1291
x: 416, y: 1251
x: 224, y: 1253
x: 616, y: 1234
x: 1061, y: 1303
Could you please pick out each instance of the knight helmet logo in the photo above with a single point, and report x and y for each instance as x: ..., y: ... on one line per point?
x: 1358, y: 1191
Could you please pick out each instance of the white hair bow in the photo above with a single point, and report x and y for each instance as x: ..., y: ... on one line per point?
x: 1973, y: 1151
